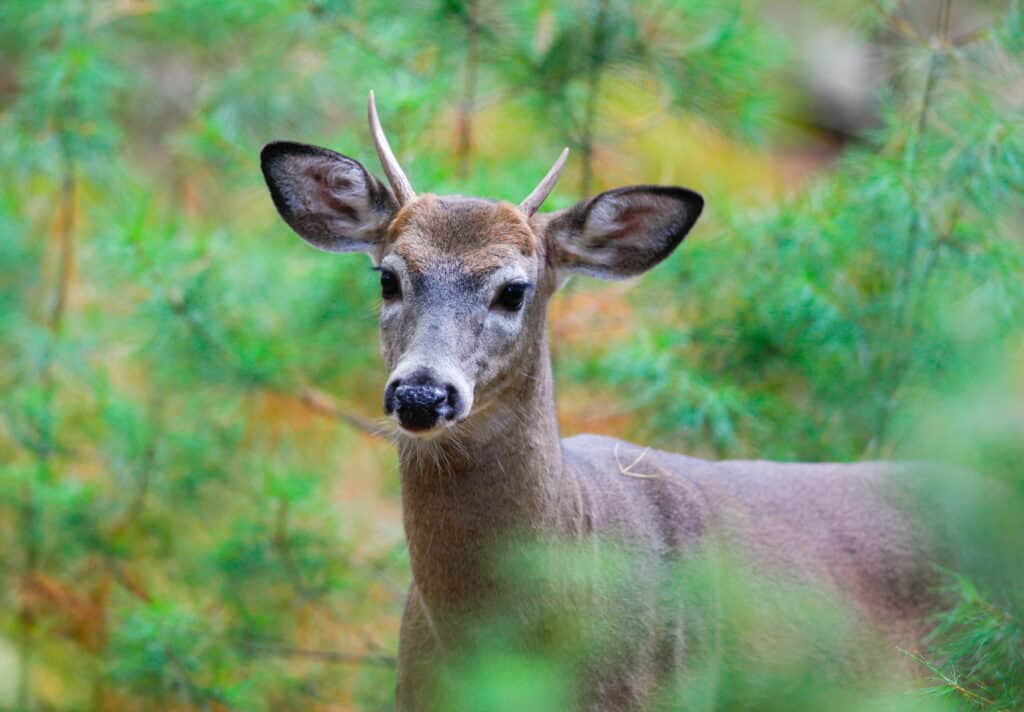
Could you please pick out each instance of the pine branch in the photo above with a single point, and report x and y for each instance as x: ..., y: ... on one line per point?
x: 921, y: 125
x: 365, y: 43
x: 902, y: 362
x: 948, y: 681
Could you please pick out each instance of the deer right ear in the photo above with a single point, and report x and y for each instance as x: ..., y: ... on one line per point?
x: 330, y: 200
x: 622, y: 232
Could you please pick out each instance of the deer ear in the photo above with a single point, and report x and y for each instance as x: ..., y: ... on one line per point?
x: 622, y: 232
x: 330, y: 200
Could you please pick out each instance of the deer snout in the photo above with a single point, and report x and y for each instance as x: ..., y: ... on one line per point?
x: 421, y: 401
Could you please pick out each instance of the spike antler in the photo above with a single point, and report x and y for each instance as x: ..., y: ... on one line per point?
x: 535, y: 199
x: 396, y: 176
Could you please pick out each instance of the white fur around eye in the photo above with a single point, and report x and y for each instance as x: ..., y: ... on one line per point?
x: 389, y: 308
x: 504, y: 322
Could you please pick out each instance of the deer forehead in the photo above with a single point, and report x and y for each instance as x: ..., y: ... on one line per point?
x: 480, y: 235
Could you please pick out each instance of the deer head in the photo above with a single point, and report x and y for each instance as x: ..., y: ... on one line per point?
x: 465, y: 281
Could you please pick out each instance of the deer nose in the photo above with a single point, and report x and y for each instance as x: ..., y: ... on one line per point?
x: 419, y: 403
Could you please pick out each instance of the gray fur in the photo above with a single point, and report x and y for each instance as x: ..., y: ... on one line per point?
x: 501, y: 473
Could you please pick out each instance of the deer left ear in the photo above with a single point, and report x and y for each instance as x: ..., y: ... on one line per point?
x: 330, y: 200
x: 623, y: 232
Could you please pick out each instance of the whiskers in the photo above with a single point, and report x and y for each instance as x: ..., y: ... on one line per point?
x: 387, y: 428
x: 433, y: 455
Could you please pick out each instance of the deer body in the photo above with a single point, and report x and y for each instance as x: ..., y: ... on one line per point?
x: 465, y: 285
x: 832, y: 526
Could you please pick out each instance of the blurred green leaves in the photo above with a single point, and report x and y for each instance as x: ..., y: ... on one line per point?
x: 159, y: 463
x: 830, y: 313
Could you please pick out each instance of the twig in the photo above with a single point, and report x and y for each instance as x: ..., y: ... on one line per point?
x: 370, y: 48
x: 327, y: 656
x: 350, y: 28
x: 946, y: 679
x: 65, y: 235
x: 898, y: 25
x: 628, y: 470
x: 195, y: 692
x: 133, y: 587
x: 323, y: 404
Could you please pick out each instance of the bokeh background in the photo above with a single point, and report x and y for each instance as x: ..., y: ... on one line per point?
x: 197, y: 511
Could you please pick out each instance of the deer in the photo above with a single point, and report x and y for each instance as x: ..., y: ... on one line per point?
x: 465, y: 285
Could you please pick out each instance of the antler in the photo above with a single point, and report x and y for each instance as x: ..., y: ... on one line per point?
x: 535, y: 199
x: 399, y: 183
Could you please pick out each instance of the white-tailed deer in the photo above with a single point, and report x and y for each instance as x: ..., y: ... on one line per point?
x: 465, y: 286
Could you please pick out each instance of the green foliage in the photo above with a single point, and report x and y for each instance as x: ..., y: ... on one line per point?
x: 979, y: 644
x: 187, y: 521
x: 839, y: 314
x: 163, y: 653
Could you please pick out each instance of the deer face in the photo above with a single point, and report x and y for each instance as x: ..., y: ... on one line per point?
x: 463, y: 289
x: 465, y: 281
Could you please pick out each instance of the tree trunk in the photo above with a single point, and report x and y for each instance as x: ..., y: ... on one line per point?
x: 467, y: 103
x: 598, y: 56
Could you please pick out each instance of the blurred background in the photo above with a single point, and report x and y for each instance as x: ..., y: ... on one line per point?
x: 196, y: 512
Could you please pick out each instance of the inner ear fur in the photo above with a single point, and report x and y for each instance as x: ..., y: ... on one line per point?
x: 330, y: 200
x: 623, y: 232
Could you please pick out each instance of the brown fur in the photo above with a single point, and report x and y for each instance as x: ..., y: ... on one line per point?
x: 500, y: 474
x: 829, y: 525
x: 481, y: 235
x: 505, y: 474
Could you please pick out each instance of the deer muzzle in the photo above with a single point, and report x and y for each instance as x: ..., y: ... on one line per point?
x: 422, y: 401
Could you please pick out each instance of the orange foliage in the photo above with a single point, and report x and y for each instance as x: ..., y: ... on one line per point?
x: 592, y: 316
x: 70, y: 613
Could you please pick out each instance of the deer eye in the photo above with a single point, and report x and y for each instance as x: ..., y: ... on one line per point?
x: 511, y: 296
x: 389, y: 288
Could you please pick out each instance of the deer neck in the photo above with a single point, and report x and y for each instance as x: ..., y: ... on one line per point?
x: 501, y: 476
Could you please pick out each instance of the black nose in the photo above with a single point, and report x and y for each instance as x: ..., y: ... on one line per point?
x: 420, y: 402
